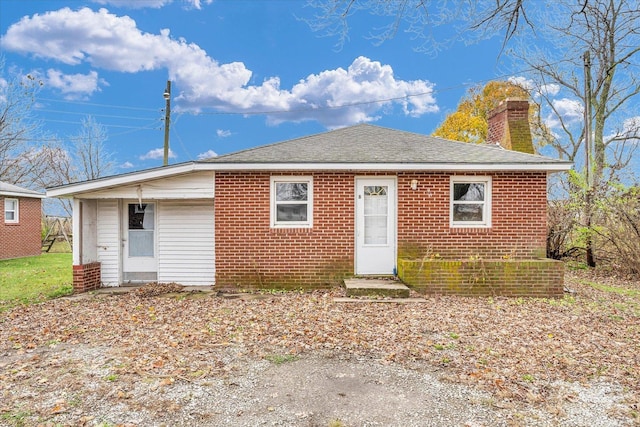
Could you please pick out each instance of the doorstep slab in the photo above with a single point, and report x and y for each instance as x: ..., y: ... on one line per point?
x: 363, y: 287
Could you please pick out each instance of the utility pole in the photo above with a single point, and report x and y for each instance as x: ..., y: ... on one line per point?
x: 587, y: 116
x: 167, y: 121
x: 588, y: 209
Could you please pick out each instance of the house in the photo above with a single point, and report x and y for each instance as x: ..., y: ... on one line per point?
x: 20, y: 228
x: 308, y: 212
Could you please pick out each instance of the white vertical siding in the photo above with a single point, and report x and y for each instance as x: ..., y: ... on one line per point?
x: 108, y: 241
x: 87, y: 237
x: 186, y: 242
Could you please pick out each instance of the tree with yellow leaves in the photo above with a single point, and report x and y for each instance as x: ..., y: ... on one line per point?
x: 469, y: 122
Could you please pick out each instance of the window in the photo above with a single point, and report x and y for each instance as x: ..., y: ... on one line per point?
x: 376, y: 214
x: 11, y: 211
x: 141, y: 229
x: 291, y: 201
x: 470, y: 201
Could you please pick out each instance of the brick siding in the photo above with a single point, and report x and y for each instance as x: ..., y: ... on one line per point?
x: 519, y: 218
x: 86, y: 277
x: 21, y: 239
x: 251, y: 254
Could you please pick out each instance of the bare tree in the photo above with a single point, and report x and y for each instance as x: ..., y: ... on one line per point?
x: 33, y: 159
x: 19, y: 160
x: 607, y: 31
x: 466, y: 20
x: 91, y: 159
x: 83, y: 158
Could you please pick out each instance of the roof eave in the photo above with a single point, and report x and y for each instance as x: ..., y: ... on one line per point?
x: 132, y: 178
x: 18, y: 194
x: 70, y: 190
x: 548, y: 167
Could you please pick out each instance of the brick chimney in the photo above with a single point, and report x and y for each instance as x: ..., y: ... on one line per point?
x: 509, y: 126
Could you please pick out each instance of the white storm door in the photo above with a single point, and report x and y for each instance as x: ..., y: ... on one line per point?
x: 375, y: 226
x: 139, y: 260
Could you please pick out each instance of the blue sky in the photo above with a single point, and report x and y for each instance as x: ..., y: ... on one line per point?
x: 244, y: 73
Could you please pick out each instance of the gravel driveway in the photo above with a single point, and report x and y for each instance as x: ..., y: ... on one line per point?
x: 73, y: 387
x: 305, y: 360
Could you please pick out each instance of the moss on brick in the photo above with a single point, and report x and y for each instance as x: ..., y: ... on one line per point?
x: 534, y: 277
x: 325, y: 275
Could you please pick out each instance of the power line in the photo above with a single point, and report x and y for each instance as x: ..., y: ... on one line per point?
x: 78, y: 113
x: 93, y: 104
x: 151, y: 126
x: 102, y: 124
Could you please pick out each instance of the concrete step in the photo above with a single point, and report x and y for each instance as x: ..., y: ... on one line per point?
x: 387, y: 288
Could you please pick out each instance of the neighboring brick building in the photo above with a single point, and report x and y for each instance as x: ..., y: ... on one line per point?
x: 311, y: 211
x: 20, y: 227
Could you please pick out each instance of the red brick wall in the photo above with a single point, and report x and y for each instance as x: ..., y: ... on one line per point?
x: 519, y: 215
x: 251, y: 254
x: 23, y: 238
x: 86, y: 277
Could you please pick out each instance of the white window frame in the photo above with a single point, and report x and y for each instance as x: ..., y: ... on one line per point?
x: 15, y: 210
x: 486, y: 208
x: 274, y: 203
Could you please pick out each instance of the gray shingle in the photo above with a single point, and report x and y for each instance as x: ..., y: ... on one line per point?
x: 366, y: 143
x: 6, y: 188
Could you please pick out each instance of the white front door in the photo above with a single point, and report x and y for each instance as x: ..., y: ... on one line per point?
x: 375, y: 225
x: 139, y: 261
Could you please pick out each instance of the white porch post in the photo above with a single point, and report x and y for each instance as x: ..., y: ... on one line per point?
x: 77, y: 232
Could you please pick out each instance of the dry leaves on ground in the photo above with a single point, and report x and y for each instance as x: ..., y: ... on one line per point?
x: 514, y: 348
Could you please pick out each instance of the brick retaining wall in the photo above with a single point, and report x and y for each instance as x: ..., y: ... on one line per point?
x: 474, y: 277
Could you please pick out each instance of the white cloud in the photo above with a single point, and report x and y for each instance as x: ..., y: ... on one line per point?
x: 223, y: 133
x: 3, y: 89
x: 126, y: 165
x: 632, y: 124
x: 74, y: 86
x: 629, y: 131
x: 197, y: 4
x: 523, y: 82
x: 135, y: 4
x: 571, y: 110
x: 207, y: 155
x: 367, y: 88
x: 155, y: 4
x: 550, y: 89
x: 157, y: 153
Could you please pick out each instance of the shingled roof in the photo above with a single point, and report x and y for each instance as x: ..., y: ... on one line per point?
x: 7, y: 189
x: 358, y: 148
x: 371, y: 144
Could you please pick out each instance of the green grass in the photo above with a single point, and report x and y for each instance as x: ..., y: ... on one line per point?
x: 280, y: 359
x: 15, y: 418
x: 34, y: 279
x: 613, y: 289
x: 60, y: 247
